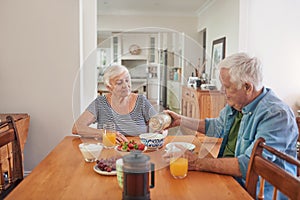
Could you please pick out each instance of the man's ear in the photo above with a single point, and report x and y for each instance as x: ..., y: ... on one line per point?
x: 248, y: 87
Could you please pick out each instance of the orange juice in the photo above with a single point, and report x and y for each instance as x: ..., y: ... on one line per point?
x: 179, y: 167
x: 109, y: 139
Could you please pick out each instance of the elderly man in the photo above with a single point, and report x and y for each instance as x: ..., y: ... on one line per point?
x: 252, y: 111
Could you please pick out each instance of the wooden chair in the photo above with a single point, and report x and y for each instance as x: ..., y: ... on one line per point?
x: 269, y: 171
x: 22, y: 121
x: 11, y: 165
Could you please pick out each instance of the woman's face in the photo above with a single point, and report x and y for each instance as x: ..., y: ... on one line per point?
x: 121, y: 85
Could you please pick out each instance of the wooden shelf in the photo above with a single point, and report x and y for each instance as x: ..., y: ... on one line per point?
x: 197, y: 103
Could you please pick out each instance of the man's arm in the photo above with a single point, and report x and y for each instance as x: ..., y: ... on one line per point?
x: 228, y: 166
x: 194, y: 124
x: 191, y: 123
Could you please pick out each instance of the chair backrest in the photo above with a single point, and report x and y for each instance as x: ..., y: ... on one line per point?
x: 11, y: 165
x: 22, y: 121
x: 272, y: 173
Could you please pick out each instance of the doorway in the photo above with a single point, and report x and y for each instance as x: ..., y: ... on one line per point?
x: 202, y: 41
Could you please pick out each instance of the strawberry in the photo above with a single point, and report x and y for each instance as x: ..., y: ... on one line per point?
x: 141, y: 147
x: 130, y: 146
x: 119, y: 148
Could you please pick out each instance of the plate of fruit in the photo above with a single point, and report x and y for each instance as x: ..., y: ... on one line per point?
x: 130, y: 146
x: 106, y: 166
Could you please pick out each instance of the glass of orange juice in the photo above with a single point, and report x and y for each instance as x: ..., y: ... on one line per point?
x: 109, y: 135
x: 178, y: 165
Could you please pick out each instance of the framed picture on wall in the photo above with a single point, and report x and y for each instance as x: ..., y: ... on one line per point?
x: 217, y: 54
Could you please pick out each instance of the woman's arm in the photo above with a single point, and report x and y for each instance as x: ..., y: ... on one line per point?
x: 81, y: 126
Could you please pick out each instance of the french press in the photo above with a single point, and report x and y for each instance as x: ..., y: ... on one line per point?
x: 136, y: 167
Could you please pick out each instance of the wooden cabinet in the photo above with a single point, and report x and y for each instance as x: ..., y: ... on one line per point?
x: 201, y: 104
x: 190, y: 106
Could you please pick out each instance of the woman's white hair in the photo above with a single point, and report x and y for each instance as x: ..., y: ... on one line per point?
x: 242, y: 69
x: 113, y: 71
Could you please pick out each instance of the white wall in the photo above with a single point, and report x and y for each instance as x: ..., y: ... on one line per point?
x: 220, y: 19
x: 126, y: 23
x: 273, y: 35
x: 39, y: 58
x: 268, y: 29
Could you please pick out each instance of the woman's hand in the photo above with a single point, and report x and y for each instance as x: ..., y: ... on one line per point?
x: 121, y: 137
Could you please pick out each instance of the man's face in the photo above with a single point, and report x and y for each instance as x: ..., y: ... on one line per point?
x: 121, y: 85
x: 237, y: 98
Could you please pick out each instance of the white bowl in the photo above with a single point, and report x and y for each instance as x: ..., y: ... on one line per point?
x: 172, y: 146
x: 152, y: 140
x: 90, y: 152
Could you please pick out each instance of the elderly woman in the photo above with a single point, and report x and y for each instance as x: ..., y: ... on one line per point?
x: 128, y: 111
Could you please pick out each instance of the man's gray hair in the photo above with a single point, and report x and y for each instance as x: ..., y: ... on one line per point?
x: 113, y: 71
x: 243, y: 68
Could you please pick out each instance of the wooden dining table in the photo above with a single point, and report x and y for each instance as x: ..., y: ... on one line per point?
x: 64, y: 174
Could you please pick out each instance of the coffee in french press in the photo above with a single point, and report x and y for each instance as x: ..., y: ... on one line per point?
x: 136, y: 168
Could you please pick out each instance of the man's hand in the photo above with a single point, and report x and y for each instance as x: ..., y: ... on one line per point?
x: 192, y: 157
x: 176, y: 118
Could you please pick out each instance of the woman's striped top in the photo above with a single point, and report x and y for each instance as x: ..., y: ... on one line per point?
x: 131, y: 124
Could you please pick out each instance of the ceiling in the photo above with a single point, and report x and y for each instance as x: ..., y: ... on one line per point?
x: 152, y: 7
